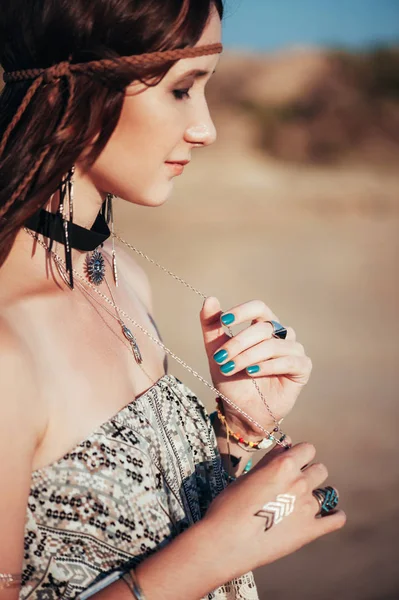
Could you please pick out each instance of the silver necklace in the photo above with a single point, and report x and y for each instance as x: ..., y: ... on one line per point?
x: 203, y: 296
x: 60, y: 265
x: 125, y: 330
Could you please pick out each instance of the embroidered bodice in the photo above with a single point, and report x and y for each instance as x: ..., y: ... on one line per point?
x: 134, y: 484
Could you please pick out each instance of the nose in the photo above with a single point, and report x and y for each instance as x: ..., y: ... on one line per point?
x: 201, y: 133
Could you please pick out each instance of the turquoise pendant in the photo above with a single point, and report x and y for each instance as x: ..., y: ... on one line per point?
x: 95, y: 267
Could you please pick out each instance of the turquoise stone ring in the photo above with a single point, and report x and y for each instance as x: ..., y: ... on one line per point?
x: 327, y: 498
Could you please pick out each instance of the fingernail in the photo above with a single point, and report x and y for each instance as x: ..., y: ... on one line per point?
x: 228, y: 319
x: 220, y: 356
x: 253, y: 369
x: 228, y: 367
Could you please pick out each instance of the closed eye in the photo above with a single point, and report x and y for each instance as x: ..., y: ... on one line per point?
x: 181, y: 94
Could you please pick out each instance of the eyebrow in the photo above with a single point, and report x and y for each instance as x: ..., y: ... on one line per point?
x: 197, y: 73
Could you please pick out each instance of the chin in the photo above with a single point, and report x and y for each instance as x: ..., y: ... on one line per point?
x: 156, y: 196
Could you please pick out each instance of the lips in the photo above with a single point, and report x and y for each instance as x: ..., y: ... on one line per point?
x: 183, y: 163
x: 177, y: 166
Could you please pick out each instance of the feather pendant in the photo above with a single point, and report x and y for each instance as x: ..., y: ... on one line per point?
x: 135, y: 349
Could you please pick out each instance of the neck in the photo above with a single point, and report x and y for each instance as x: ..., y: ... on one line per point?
x: 28, y: 268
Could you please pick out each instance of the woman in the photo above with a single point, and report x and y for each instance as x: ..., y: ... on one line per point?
x: 107, y: 458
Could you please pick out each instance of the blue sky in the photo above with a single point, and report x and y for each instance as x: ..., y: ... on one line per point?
x: 274, y: 24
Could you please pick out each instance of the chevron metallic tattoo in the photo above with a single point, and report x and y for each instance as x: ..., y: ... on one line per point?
x: 274, y: 512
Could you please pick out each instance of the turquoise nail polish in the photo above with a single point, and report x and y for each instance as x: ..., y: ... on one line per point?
x: 254, y: 369
x: 220, y: 356
x: 228, y: 319
x: 228, y: 367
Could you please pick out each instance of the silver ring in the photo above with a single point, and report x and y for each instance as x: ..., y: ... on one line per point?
x: 279, y: 331
x: 327, y: 499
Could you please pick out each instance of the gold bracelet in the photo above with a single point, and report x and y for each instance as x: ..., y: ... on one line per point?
x: 131, y: 581
x: 8, y: 580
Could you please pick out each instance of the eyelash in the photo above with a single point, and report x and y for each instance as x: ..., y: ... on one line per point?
x: 181, y: 94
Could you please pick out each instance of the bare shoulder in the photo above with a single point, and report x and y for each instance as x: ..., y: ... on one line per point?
x: 19, y: 387
x: 20, y: 422
x: 132, y: 273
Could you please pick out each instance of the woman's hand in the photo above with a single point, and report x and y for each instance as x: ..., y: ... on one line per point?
x: 247, y: 533
x: 281, y: 367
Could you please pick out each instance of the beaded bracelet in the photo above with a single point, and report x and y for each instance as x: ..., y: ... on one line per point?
x: 230, y: 478
x: 263, y: 444
x: 244, y: 444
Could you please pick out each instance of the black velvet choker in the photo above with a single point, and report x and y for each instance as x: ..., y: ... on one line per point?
x: 51, y: 226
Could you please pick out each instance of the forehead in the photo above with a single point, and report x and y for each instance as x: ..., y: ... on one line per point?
x: 212, y: 34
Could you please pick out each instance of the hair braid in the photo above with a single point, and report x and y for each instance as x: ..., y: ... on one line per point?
x: 65, y: 69
x: 53, y: 75
x: 46, y: 126
x: 25, y: 103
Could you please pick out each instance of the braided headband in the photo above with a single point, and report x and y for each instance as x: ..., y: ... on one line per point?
x: 53, y: 74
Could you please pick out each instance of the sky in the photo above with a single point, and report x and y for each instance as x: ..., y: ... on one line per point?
x: 267, y: 25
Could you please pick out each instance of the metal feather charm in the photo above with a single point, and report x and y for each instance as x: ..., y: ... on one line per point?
x: 135, y: 349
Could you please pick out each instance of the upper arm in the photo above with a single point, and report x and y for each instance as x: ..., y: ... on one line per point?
x: 19, y: 431
x: 135, y: 277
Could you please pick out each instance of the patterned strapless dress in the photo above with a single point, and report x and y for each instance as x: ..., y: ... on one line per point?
x: 138, y: 481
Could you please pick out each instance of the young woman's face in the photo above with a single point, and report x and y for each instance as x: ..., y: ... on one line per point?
x: 158, y: 128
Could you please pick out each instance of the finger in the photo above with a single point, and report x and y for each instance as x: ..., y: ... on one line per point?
x: 332, y: 522
x: 254, y: 310
x: 246, y: 339
x: 315, y: 475
x: 257, y: 355
x: 275, y: 452
x: 212, y: 330
x: 297, y: 368
x: 299, y: 455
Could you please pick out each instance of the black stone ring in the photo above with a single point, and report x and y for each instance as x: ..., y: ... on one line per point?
x: 279, y: 331
x: 327, y: 498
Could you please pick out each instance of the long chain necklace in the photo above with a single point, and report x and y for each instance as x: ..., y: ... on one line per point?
x: 203, y: 296
x: 273, y: 437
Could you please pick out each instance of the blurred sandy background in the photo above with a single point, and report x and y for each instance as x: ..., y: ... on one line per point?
x: 297, y: 204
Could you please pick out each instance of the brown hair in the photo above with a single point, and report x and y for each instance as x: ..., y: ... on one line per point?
x: 44, y: 139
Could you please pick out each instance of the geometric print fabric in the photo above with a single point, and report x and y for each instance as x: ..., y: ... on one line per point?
x: 133, y: 485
